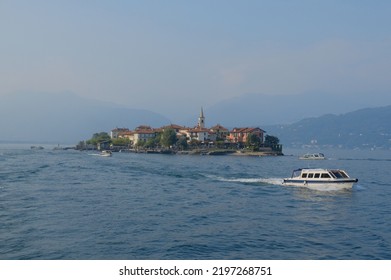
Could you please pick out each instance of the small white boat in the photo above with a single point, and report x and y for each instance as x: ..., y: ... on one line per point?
x: 105, y: 153
x: 313, y: 156
x: 320, y: 178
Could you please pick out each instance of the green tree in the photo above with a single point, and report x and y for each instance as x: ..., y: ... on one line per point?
x: 271, y: 141
x: 220, y: 144
x: 99, y: 138
x: 168, y: 137
x: 152, y: 142
x: 120, y: 142
x: 194, y: 143
x: 182, y: 143
x: 140, y: 144
x: 253, y: 140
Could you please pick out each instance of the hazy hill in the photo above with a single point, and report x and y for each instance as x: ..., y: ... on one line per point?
x: 68, y: 118
x: 263, y: 109
x: 65, y: 117
x: 365, y: 128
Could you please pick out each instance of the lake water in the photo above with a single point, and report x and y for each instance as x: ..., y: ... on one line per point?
x: 72, y: 205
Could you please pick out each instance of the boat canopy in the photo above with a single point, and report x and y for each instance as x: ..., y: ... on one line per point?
x: 335, y: 173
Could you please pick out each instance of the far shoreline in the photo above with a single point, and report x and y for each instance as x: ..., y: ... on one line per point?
x: 208, y: 152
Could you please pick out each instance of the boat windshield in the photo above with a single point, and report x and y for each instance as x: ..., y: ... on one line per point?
x: 339, y: 174
x: 343, y: 173
x: 296, y: 173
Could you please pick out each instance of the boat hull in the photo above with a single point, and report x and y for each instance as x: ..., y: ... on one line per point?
x: 317, y: 184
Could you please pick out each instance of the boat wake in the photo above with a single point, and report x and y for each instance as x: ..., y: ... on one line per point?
x: 266, y: 181
x: 98, y: 155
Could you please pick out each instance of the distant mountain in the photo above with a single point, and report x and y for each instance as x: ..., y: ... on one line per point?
x: 68, y: 118
x: 365, y: 128
x: 264, y: 109
x: 65, y: 117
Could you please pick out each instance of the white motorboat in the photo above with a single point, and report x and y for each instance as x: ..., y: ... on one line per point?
x: 313, y: 156
x: 105, y: 153
x: 320, y: 178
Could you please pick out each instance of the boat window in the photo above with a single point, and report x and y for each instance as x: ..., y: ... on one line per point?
x: 304, y: 175
x: 296, y: 173
x: 343, y: 174
x: 325, y: 175
x: 311, y: 175
x: 316, y: 175
x: 337, y: 174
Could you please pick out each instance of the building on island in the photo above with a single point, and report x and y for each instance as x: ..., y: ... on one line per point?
x: 143, y: 133
x: 116, y: 132
x: 240, y: 135
x: 220, y: 131
x: 199, y: 133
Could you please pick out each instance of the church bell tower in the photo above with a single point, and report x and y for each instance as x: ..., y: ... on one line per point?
x: 201, y: 119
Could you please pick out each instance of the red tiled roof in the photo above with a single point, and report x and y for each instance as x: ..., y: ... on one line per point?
x: 246, y: 129
x: 126, y: 133
x: 120, y: 129
x: 174, y: 126
x: 143, y: 127
x: 144, y: 131
x: 218, y: 127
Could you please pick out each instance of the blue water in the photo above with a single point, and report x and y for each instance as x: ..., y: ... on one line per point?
x: 71, y: 205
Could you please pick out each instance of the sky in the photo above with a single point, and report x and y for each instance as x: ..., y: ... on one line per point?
x: 173, y: 57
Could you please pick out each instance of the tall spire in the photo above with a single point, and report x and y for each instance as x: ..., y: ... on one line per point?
x: 201, y: 119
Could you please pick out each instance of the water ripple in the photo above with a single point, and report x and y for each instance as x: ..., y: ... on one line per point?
x: 73, y: 206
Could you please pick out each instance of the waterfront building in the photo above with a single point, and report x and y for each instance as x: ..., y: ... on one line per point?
x: 220, y: 131
x: 127, y: 135
x: 143, y: 133
x: 240, y: 134
x: 115, y: 133
x: 197, y: 133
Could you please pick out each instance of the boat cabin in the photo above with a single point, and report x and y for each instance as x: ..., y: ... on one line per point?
x: 313, y: 156
x: 319, y: 173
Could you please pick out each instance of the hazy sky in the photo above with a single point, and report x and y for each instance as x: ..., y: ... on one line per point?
x: 175, y: 56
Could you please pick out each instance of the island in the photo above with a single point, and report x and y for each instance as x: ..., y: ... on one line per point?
x: 176, y: 139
